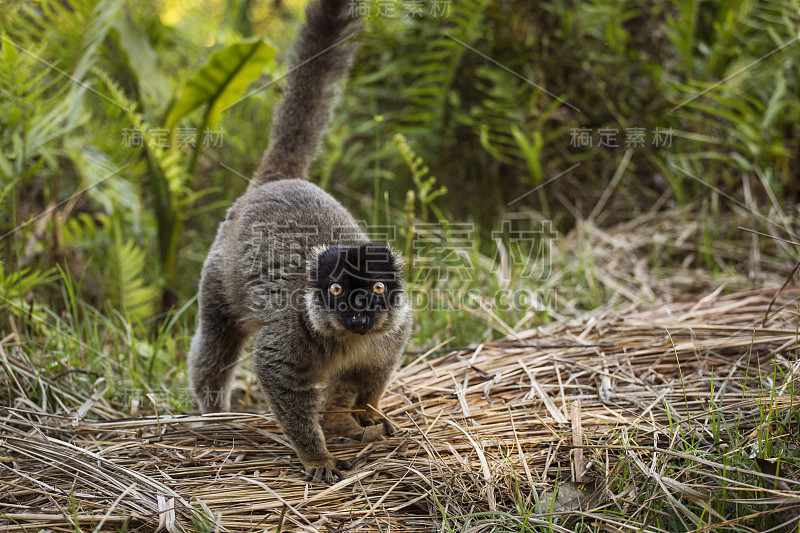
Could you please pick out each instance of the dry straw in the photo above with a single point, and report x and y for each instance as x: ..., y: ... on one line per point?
x: 483, y: 436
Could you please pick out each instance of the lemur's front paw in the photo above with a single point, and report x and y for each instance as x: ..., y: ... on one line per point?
x: 371, y: 417
x: 327, y: 470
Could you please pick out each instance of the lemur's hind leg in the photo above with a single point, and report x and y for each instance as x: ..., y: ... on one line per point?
x: 337, y: 417
x: 371, y: 386
x: 215, y: 346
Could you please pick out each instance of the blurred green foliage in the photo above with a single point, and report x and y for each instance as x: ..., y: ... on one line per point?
x: 127, y: 128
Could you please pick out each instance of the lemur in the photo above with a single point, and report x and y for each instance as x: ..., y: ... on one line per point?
x: 290, y: 266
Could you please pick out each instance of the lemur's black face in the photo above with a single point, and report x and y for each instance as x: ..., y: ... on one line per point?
x: 355, y: 288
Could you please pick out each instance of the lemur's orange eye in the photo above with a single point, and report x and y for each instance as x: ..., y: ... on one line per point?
x: 378, y: 287
x: 335, y: 289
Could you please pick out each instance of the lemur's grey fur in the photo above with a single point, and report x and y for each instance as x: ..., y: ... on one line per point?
x: 322, y: 361
x: 322, y: 55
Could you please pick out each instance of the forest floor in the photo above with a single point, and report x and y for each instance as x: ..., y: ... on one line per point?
x: 678, y: 418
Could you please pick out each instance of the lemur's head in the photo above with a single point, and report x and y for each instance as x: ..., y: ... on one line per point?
x: 355, y: 289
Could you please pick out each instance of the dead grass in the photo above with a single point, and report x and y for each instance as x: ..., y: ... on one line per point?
x: 679, y: 418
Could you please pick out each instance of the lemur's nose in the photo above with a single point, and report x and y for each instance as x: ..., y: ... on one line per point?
x: 359, y: 323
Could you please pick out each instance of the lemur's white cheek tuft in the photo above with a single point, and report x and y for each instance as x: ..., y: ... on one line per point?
x: 323, y: 320
x: 380, y: 319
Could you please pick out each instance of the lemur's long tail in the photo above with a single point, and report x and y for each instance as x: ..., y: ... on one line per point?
x: 323, y: 51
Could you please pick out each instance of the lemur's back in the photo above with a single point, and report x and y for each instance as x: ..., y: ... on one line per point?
x: 270, y: 232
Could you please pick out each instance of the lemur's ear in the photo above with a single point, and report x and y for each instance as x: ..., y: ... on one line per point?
x: 316, y: 258
x: 399, y: 262
x: 379, y: 259
x: 392, y: 256
x: 319, y: 250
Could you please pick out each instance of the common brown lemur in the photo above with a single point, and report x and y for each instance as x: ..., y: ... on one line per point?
x: 291, y: 267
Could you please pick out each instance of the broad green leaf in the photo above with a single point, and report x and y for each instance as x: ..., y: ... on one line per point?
x: 8, y: 50
x: 142, y: 60
x: 222, y: 81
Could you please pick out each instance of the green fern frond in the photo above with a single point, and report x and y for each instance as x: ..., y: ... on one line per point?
x: 74, y: 32
x: 424, y: 183
x: 85, y: 231
x: 167, y: 177
x: 105, y: 185
x: 132, y: 294
x: 168, y: 162
x: 47, y: 54
x: 437, y: 66
x: 38, y: 107
x: 15, y: 286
